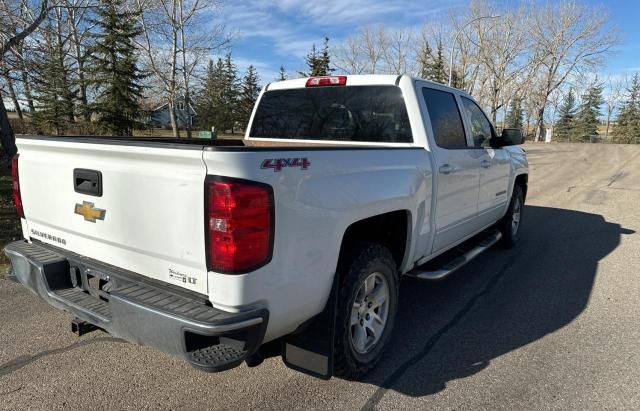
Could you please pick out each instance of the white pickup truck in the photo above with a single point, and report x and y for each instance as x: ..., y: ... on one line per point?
x: 291, y: 241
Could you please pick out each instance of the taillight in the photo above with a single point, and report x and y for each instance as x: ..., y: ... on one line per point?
x: 239, y: 225
x: 327, y: 81
x: 15, y: 186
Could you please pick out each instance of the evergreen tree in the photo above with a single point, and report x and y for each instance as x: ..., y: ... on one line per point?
x: 457, y: 79
x: 515, y: 115
x: 218, y: 101
x: 318, y: 62
x: 433, y: 67
x: 425, y: 60
x: 53, y: 89
x: 248, y: 95
x: 325, y: 60
x: 282, y: 74
x: 230, y: 95
x: 564, y: 126
x: 439, y: 69
x: 311, y: 61
x: 586, y: 121
x: 208, y: 99
x: 113, y: 65
x: 627, y: 129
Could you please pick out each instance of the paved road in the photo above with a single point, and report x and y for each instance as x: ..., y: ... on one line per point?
x: 552, y: 323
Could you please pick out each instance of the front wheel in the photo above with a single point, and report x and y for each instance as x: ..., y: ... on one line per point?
x: 367, y: 307
x: 510, y: 224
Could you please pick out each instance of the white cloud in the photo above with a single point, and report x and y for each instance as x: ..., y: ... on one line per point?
x: 286, y: 29
x: 337, y: 12
x: 257, y: 23
x: 294, y: 25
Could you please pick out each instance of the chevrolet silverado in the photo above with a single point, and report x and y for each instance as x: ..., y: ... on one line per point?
x: 291, y: 241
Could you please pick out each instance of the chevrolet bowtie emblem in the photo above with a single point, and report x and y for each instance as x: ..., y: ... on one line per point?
x: 89, y: 212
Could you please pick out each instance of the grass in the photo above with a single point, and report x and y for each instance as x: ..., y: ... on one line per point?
x: 9, y: 222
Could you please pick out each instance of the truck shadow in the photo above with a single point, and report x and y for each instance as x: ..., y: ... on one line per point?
x: 502, y: 301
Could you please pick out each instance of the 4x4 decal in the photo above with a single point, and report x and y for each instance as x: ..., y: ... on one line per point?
x: 278, y: 164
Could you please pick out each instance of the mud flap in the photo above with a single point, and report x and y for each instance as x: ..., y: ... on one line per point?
x: 311, y: 351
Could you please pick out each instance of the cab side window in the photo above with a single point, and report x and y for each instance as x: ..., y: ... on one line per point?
x: 480, y: 126
x: 446, y: 120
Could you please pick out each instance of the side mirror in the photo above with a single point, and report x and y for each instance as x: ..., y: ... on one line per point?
x: 511, y: 137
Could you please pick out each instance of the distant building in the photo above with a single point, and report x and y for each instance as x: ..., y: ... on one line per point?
x: 160, y: 118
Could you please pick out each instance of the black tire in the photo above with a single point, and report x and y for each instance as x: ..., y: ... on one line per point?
x: 364, y: 260
x: 510, y: 231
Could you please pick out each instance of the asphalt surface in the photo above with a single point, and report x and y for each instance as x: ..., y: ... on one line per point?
x: 553, y: 323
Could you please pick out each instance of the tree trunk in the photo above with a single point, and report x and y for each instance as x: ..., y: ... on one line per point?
x: 7, y: 138
x: 14, y: 97
x: 174, y: 119
x: 495, y: 95
x: 174, y: 68
x: 86, y: 114
x: 188, y: 110
x: 82, y: 83
x: 185, y: 76
x: 68, y: 103
x: 27, y: 90
x: 540, y: 124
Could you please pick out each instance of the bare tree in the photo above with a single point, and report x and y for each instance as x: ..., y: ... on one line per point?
x: 398, y: 51
x: 615, y: 92
x: 555, y: 99
x: 466, y: 67
x: 502, y: 45
x: 350, y: 57
x: 158, y: 21
x: 6, y: 73
x: 23, y: 22
x: 364, y: 51
x: 79, y: 29
x: 568, y: 38
x: 374, y: 43
x: 196, y: 42
x: 177, y: 36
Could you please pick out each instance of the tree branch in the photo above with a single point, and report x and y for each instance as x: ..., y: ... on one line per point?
x: 18, y: 38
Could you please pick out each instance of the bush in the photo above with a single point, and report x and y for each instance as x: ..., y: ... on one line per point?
x: 24, y: 126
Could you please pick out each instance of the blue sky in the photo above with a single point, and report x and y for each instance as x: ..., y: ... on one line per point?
x: 624, y: 15
x: 269, y: 33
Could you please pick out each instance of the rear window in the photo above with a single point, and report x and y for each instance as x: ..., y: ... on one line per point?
x: 446, y: 121
x: 356, y: 113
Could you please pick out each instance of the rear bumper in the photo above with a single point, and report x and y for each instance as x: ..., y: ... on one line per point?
x: 138, y: 310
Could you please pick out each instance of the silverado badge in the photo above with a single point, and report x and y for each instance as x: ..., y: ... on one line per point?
x: 89, y: 212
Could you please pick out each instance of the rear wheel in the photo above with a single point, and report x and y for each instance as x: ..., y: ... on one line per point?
x: 510, y: 224
x: 367, y: 306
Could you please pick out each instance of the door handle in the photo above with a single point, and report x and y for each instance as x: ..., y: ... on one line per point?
x: 87, y: 182
x: 445, y: 169
x: 485, y: 164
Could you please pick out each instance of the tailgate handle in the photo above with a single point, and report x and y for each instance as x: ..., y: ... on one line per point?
x: 87, y: 182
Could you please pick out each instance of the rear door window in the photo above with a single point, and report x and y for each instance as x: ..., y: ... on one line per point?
x: 352, y: 113
x: 446, y: 120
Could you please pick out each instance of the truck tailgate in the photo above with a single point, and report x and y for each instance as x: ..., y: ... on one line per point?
x: 149, y: 218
